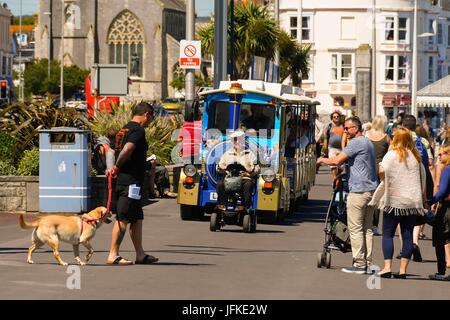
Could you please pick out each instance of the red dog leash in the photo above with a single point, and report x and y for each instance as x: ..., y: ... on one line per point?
x: 108, y: 206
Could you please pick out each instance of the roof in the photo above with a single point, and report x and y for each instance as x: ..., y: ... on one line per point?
x: 440, y: 88
x: 277, y: 90
x: 436, y: 94
x: 179, y: 5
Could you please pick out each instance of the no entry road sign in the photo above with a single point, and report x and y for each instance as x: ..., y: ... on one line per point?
x: 190, y: 54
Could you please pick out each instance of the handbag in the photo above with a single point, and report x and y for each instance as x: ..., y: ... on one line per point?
x: 429, y: 216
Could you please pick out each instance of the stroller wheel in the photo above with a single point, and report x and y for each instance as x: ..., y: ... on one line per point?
x: 327, y: 260
x: 319, y: 260
x: 214, y: 222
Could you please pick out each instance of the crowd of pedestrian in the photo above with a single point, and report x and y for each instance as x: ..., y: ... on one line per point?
x: 400, y: 172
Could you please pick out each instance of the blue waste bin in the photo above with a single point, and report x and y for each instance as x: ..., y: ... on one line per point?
x: 64, y: 177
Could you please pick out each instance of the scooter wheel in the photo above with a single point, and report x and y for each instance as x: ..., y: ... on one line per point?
x: 319, y: 260
x: 247, y: 224
x: 328, y: 260
x: 214, y: 222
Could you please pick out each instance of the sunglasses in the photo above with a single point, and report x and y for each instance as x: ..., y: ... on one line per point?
x: 347, y: 128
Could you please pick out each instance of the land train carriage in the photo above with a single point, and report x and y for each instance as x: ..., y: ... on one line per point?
x: 283, y: 143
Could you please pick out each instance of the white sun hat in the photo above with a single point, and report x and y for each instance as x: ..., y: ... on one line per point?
x: 236, y: 134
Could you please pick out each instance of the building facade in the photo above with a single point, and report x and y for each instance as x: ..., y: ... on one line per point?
x: 143, y: 34
x: 6, y: 45
x: 336, y: 29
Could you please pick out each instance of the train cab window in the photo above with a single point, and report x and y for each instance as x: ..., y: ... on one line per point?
x: 258, y: 117
x: 219, y: 116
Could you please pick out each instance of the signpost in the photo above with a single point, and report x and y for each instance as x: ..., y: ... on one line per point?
x: 190, y: 54
x: 109, y: 80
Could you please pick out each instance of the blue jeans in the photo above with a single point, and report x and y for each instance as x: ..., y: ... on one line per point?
x: 390, y: 223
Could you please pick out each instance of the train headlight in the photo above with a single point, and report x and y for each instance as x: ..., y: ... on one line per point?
x: 268, y: 175
x: 190, y: 170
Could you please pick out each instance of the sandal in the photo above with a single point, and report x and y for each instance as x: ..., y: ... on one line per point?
x: 119, y: 261
x: 147, y: 260
x: 170, y: 195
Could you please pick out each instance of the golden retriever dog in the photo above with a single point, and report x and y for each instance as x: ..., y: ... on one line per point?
x: 52, y: 229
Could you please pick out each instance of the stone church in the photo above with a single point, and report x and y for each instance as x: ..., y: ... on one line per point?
x: 143, y: 34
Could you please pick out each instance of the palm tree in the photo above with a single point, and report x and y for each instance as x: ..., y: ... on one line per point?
x: 293, y: 58
x: 256, y: 34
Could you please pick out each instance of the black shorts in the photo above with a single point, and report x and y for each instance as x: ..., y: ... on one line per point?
x: 127, y: 210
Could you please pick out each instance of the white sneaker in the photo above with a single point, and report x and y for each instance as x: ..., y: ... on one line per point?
x: 355, y: 270
x: 440, y: 277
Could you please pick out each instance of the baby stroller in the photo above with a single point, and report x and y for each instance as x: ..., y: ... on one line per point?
x: 337, y: 236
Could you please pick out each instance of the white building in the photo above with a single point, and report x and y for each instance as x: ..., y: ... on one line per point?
x: 6, y: 50
x: 335, y: 29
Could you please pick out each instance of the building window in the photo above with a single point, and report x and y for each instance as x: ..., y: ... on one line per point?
x: 293, y: 27
x: 389, y: 68
x: 448, y: 35
x: 402, y: 68
x: 348, y: 28
x: 342, y: 67
x: 126, y: 43
x: 304, y: 31
x: 306, y: 28
x: 389, y: 29
x: 430, y: 69
x: 439, y: 71
x: 396, y: 29
x: 396, y: 68
x: 440, y: 33
x: 403, y: 29
x: 431, y: 30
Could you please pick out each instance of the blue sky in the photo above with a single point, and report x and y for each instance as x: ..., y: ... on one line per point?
x: 203, y: 7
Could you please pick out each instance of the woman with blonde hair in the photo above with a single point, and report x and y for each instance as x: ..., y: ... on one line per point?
x: 380, y: 140
x: 400, y: 196
x: 441, y: 225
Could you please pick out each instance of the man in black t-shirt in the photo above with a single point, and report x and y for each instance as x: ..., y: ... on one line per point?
x: 131, y: 151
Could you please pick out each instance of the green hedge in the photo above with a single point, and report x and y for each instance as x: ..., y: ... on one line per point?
x: 29, y: 164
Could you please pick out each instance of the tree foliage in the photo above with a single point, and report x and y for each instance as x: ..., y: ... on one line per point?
x: 26, y: 20
x: 180, y: 81
x: 256, y: 34
x: 37, y: 81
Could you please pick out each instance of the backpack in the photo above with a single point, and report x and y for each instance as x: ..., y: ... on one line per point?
x: 428, y: 177
x: 99, y: 161
x: 423, y: 151
x: 341, y: 236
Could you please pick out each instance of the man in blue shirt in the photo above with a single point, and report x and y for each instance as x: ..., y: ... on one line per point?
x: 363, y: 181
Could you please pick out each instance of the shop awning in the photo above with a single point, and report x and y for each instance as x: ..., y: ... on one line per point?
x: 389, y: 101
x: 399, y: 100
x: 434, y: 95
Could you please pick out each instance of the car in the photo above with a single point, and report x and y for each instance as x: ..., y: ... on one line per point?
x: 172, y: 105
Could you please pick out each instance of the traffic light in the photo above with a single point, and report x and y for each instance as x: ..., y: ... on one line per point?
x: 3, y: 89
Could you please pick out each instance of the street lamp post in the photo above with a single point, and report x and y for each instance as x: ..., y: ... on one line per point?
x: 190, y: 35
x: 415, y: 71
x: 415, y: 56
x: 63, y: 20
x: 20, y: 56
x: 49, y: 14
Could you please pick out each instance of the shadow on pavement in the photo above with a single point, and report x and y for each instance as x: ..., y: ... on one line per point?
x: 231, y: 250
